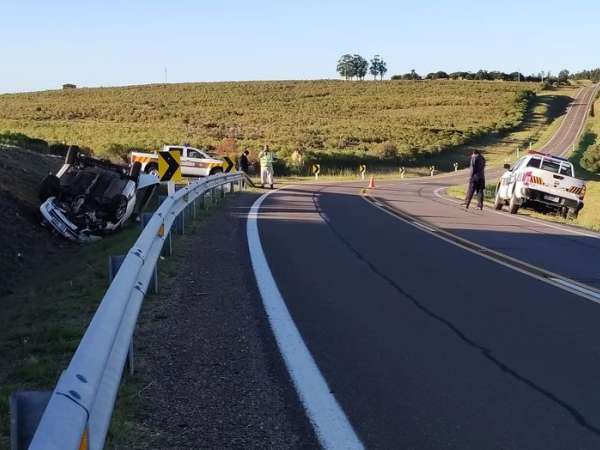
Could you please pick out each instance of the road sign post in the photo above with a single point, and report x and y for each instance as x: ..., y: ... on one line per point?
x: 169, y: 169
x: 363, y: 170
x: 316, y: 169
x: 455, y: 167
x: 402, y: 172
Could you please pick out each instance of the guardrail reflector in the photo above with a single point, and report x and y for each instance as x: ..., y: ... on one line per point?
x: 161, y: 230
x: 85, y: 442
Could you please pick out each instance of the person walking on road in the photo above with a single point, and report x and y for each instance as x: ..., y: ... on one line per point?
x: 476, y: 179
x: 266, y: 166
x: 244, y: 162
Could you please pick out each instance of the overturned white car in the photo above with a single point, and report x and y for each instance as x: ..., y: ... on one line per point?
x: 88, y: 197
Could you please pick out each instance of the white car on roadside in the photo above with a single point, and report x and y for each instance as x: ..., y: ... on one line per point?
x: 543, y: 182
x: 194, y: 162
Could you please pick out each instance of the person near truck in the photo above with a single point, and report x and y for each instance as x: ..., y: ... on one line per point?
x: 266, y: 166
x: 244, y: 162
x: 476, y: 179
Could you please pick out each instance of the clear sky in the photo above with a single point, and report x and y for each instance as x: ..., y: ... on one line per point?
x: 103, y: 43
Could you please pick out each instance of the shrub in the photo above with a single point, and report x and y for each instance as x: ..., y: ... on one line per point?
x: 591, y: 158
x: 386, y: 150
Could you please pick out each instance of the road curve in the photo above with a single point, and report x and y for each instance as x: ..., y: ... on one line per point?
x: 424, y: 343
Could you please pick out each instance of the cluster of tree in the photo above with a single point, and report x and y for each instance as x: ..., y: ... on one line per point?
x: 593, y: 74
x: 351, y: 66
x: 486, y: 75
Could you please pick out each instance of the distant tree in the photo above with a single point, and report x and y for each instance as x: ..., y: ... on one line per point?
x: 382, y: 69
x: 482, y: 75
x: 593, y: 75
x: 563, y: 76
x: 345, y: 66
x: 374, y: 67
x: 361, y: 66
x: 440, y: 74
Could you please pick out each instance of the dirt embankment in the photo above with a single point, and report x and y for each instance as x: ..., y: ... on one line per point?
x: 24, y: 244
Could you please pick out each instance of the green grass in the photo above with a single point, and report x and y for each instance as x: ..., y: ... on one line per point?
x: 42, y: 323
x: 319, y: 116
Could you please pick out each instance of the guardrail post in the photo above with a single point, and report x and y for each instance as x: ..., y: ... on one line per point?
x: 114, y: 263
x: 180, y: 222
x: 167, y: 248
x: 26, y: 409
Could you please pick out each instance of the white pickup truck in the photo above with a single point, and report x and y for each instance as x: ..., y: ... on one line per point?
x: 543, y: 182
x: 194, y: 162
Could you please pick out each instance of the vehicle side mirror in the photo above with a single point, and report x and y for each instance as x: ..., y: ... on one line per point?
x: 507, y: 166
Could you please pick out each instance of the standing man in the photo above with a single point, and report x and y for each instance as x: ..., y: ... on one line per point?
x: 244, y: 162
x: 266, y: 166
x: 476, y: 179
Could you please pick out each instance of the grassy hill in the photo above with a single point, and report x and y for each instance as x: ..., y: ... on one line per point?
x: 346, y: 119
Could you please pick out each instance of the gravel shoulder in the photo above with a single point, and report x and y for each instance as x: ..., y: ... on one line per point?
x: 208, y: 371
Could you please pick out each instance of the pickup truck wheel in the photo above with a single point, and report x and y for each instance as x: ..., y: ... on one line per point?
x: 118, y: 208
x: 573, y: 213
x: 513, y: 206
x: 498, y: 202
x: 49, y: 187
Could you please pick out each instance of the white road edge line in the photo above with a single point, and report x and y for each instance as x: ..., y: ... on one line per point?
x: 524, y: 219
x: 329, y: 421
x: 556, y: 281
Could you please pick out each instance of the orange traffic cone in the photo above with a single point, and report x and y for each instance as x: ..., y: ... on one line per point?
x: 372, y: 182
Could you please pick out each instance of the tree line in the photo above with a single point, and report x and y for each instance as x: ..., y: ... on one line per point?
x: 593, y: 74
x: 492, y: 75
x: 355, y: 66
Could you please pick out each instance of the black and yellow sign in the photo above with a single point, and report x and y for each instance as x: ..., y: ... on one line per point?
x: 169, y: 168
x: 362, y: 169
x: 316, y: 169
x: 228, y: 164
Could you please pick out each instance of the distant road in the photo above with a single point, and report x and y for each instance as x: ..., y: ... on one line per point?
x: 426, y: 338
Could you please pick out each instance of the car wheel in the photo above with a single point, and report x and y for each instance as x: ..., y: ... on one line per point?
x: 49, y: 187
x: 498, y: 202
x: 152, y: 169
x: 216, y: 170
x: 118, y: 208
x: 513, y: 206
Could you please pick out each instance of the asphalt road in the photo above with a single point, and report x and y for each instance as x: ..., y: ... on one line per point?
x: 425, y: 343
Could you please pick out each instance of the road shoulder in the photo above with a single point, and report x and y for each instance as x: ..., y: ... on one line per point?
x: 208, y: 372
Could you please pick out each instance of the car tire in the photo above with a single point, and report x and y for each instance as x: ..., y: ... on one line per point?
x: 513, y: 206
x: 152, y: 168
x: 573, y: 213
x: 118, y: 208
x: 49, y: 187
x: 215, y: 170
x: 498, y: 202
x: 71, y: 155
x: 134, y: 174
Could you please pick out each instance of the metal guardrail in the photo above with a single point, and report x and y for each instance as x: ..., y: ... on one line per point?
x: 80, y: 408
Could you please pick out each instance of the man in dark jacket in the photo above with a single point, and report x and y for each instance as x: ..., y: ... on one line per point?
x: 476, y: 179
x: 244, y: 163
